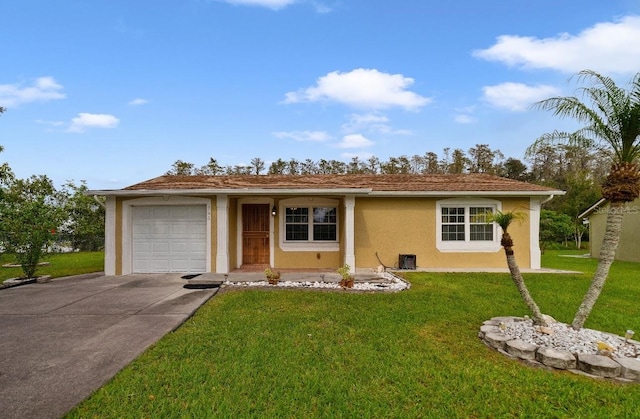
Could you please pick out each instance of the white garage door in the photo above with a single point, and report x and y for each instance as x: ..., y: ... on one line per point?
x: 169, y: 238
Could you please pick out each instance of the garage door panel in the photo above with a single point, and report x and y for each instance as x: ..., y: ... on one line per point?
x: 161, y: 248
x: 169, y: 238
x: 141, y: 265
x: 160, y: 229
x: 180, y: 230
x: 141, y: 230
x: 160, y: 212
x: 141, y: 247
x: 178, y: 247
x: 180, y: 213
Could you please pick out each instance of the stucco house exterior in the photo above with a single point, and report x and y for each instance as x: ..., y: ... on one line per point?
x: 629, y: 246
x: 195, y: 224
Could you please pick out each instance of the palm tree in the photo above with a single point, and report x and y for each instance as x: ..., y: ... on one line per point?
x: 504, y: 220
x: 611, y: 121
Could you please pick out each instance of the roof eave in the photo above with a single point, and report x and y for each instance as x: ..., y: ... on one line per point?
x: 466, y: 193
x: 592, y: 208
x: 238, y: 191
x: 289, y: 191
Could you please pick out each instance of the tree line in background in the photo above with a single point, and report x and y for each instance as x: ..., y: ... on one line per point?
x: 578, y: 170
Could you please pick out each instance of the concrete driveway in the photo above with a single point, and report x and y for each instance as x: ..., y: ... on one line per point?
x: 60, y: 341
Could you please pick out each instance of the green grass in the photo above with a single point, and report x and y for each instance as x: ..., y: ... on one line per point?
x: 60, y: 264
x: 295, y: 353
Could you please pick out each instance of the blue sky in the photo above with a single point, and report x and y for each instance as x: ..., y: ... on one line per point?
x: 114, y: 91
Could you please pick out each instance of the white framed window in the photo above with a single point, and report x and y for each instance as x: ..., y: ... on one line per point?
x: 461, y: 225
x: 309, y: 224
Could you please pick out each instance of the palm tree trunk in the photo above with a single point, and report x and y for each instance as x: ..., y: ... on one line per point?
x: 516, y: 276
x: 607, y: 255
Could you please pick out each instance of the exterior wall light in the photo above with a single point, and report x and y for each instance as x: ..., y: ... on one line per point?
x: 274, y: 211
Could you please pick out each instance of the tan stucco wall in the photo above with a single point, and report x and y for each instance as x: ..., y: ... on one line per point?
x: 629, y: 246
x: 307, y: 259
x: 408, y: 226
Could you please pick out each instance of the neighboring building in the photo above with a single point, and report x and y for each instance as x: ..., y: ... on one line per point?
x: 629, y: 246
x: 217, y: 224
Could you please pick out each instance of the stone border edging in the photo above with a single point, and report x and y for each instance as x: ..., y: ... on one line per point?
x: 622, y: 369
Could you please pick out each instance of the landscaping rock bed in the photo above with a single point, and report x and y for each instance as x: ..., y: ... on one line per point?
x: 382, y: 282
x: 588, y: 352
x: 14, y: 282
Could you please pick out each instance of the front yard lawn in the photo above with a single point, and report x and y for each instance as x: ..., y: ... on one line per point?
x: 60, y: 264
x: 301, y: 353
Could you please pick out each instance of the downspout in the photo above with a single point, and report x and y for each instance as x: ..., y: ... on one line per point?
x: 549, y: 198
x: 95, y: 197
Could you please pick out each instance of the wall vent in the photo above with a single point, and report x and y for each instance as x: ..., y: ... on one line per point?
x: 407, y: 262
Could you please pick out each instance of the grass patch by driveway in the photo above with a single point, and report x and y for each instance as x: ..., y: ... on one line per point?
x: 300, y: 353
x: 60, y: 264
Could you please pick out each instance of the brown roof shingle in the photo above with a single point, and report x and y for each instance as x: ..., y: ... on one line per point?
x: 377, y: 183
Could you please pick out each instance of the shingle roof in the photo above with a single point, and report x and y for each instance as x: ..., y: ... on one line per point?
x: 374, y: 183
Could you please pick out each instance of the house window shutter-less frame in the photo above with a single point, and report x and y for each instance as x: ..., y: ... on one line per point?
x: 461, y: 225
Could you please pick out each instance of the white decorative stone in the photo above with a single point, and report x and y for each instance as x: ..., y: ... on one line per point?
x: 562, y: 347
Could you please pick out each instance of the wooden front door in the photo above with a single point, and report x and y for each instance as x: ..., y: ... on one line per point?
x: 255, y: 234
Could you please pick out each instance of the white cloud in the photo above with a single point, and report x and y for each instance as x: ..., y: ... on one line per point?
x: 320, y: 7
x: 603, y: 47
x: 271, y: 4
x: 138, y: 101
x: 304, y: 136
x: 358, y: 122
x: 464, y: 115
x: 372, y: 122
x: 517, y: 96
x: 42, y: 90
x: 355, y: 141
x: 464, y: 119
x: 362, y: 88
x: 85, y: 121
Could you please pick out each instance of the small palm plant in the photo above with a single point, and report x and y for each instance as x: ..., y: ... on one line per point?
x: 504, y: 220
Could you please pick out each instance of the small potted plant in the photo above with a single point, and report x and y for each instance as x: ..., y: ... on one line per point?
x: 346, y: 280
x: 272, y: 277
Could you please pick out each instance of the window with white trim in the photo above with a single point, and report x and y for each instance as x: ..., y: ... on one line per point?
x: 322, y: 225
x: 462, y: 225
x: 309, y: 224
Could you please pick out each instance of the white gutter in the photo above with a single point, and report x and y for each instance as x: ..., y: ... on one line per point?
x: 340, y: 191
x: 401, y: 194
x: 238, y: 191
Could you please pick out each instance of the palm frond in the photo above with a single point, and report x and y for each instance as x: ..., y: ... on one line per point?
x: 504, y: 219
x: 610, y: 114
